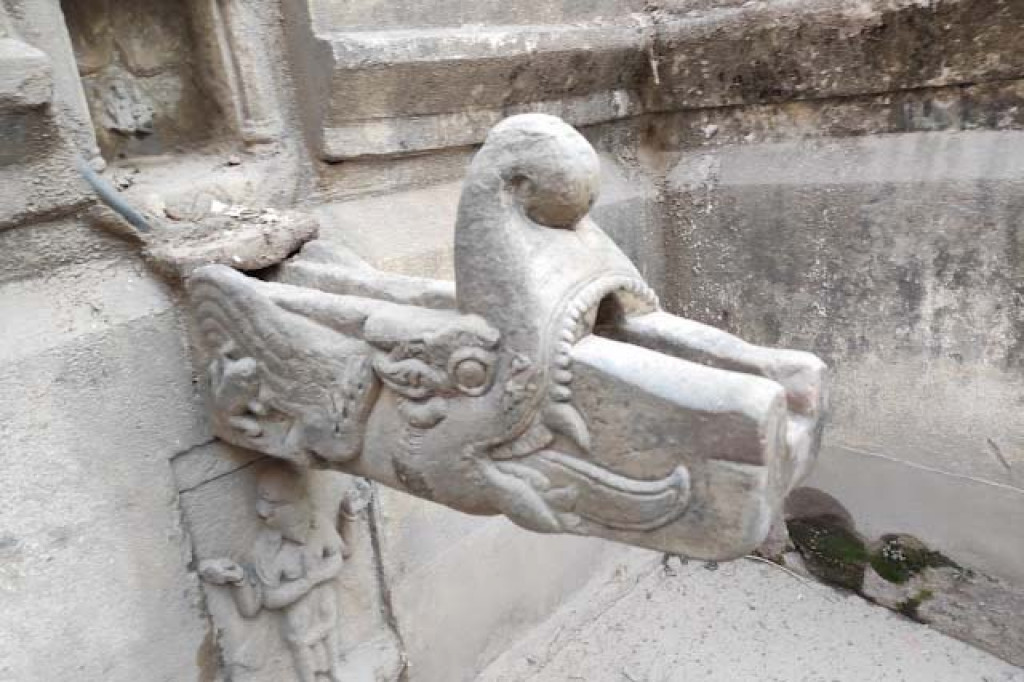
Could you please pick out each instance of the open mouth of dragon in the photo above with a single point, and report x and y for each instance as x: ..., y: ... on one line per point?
x: 577, y: 488
x: 593, y: 308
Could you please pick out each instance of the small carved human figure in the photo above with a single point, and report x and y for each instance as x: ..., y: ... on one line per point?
x: 291, y: 565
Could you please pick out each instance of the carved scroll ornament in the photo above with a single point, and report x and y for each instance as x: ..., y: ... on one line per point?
x: 546, y: 384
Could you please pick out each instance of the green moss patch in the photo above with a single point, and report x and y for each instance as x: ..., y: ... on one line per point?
x: 832, y: 552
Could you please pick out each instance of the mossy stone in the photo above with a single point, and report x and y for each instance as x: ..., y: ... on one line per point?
x: 899, y: 557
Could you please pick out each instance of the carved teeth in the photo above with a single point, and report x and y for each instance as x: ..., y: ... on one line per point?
x: 575, y: 324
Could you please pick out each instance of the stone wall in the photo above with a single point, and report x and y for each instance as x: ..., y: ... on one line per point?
x: 857, y: 192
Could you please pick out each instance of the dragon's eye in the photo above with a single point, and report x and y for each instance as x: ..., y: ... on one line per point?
x: 470, y: 370
x: 470, y: 373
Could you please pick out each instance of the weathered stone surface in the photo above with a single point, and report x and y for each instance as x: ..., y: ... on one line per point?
x: 973, y: 607
x: 94, y: 376
x: 93, y: 40
x: 389, y: 78
x: 745, y: 621
x: 33, y: 145
x: 884, y: 493
x: 810, y: 49
x: 393, y: 380
x: 239, y: 43
x: 450, y: 13
x: 150, y: 36
x: 143, y: 86
x: 392, y: 80
x: 48, y: 246
x: 442, y: 566
x: 236, y: 236
x: 895, y: 257
x: 40, y: 23
x: 25, y: 80
x: 986, y: 106
x: 580, y: 73
x: 120, y: 105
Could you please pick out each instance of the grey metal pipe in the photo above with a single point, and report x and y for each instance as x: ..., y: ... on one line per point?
x: 110, y: 196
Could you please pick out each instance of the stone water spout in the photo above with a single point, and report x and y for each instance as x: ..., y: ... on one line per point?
x: 546, y: 384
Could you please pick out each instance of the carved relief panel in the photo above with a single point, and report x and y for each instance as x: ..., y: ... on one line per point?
x: 289, y: 568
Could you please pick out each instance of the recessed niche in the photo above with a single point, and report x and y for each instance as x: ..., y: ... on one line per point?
x: 141, y: 75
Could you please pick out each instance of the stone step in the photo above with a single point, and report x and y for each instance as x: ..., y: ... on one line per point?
x: 383, y: 88
x: 380, y: 14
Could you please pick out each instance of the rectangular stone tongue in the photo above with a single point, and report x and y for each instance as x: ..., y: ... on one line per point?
x: 653, y: 418
x: 648, y: 412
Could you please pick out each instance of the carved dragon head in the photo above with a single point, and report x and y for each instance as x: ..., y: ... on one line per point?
x: 547, y: 386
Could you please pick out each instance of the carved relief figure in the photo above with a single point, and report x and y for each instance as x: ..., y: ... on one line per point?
x: 291, y: 565
x: 546, y: 384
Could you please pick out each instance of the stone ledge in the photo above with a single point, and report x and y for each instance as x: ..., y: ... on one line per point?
x: 813, y: 49
x: 409, y: 90
x: 744, y: 621
x: 402, y: 91
x: 987, y: 106
x: 399, y: 13
x: 386, y: 136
